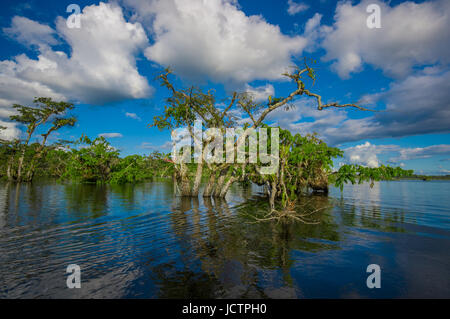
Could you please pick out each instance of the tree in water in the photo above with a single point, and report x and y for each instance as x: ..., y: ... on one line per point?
x: 94, y: 162
x: 45, y: 112
x: 306, y: 163
x: 184, y: 106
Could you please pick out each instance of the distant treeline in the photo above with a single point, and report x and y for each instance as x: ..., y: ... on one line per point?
x: 85, y: 161
x: 426, y: 177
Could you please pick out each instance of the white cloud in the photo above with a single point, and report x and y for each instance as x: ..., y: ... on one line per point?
x: 304, y: 118
x: 14, y: 89
x: 294, y: 7
x: 411, y: 35
x: 314, y: 32
x: 420, y: 104
x: 260, y: 93
x: 166, y: 146
x: 366, y: 154
x: 216, y: 40
x: 110, y: 135
x: 10, y: 132
x: 132, y: 115
x: 421, y: 152
x: 101, y: 67
x: 6, y: 112
x: 29, y: 32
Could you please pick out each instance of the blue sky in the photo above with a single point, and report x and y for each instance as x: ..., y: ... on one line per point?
x: 108, y: 65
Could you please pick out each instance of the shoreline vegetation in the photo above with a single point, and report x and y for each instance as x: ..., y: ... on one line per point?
x: 305, y: 163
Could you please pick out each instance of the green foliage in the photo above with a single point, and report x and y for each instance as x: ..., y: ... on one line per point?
x: 54, y: 163
x: 351, y: 173
x: 184, y: 106
x: 24, y: 158
x: 96, y: 161
x: 303, y: 161
x: 93, y: 161
x: 306, y: 163
x: 45, y: 109
x: 131, y: 169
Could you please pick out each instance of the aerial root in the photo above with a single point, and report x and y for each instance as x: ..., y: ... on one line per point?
x: 290, y: 213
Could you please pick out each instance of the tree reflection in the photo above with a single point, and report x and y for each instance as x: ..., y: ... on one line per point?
x: 225, y: 248
x: 86, y: 200
x: 366, y: 211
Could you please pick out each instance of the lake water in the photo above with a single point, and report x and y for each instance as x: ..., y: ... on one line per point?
x: 141, y: 241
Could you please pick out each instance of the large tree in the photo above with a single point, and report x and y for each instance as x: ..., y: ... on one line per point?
x: 184, y: 106
x: 48, y: 114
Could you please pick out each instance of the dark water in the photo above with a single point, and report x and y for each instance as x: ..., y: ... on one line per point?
x: 141, y: 241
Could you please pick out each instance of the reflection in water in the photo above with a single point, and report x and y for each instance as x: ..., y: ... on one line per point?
x: 142, y: 241
x: 4, y: 189
x: 86, y: 201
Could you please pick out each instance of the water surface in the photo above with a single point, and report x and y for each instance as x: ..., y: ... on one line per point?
x: 141, y: 241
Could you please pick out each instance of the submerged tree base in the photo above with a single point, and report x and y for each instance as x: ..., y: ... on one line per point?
x: 294, y: 212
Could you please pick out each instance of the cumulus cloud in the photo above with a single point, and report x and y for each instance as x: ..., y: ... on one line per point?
x: 421, y: 152
x: 303, y: 117
x: 110, y: 135
x: 411, y: 35
x: 6, y: 112
x: 15, y: 89
x: 132, y: 116
x: 294, y: 7
x: 9, y: 131
x: 420, y: 104
x: 260, y: 93
x: 366, y: 154
x: 101, y: 67
x: 216, y: 40
x: 30, y: 33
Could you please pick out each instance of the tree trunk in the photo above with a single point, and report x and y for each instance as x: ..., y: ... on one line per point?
x: 220, y: 182
x: 185, y: 183
x: 210, y: 186
x: 198, y: 179
x: 227, y: 186
x: 36, y: 157
x: 22, y: 156
x: 9, y: 171
x: 273, y: 192
x: 19, y: 167
x: 30, y: 175
x: 175, y: 182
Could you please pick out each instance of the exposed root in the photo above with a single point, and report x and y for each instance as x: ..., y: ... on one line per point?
x: 291, y: 213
